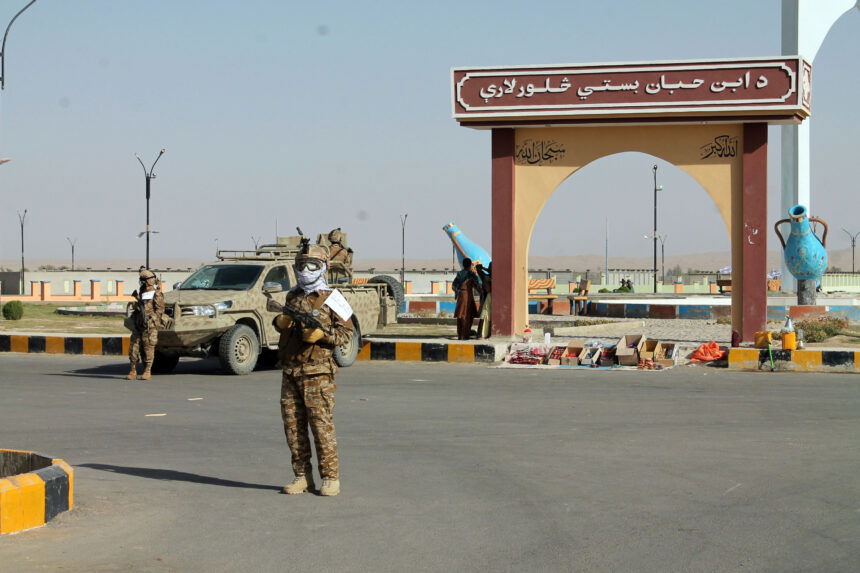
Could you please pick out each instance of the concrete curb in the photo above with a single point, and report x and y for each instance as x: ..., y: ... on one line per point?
x: 794, y: 360
x: 373, y: 349
x: 62, y: 344
x: 432, y: 351
x: 33, y: 489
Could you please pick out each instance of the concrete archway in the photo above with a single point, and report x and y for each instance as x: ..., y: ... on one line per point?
x: 727, y: 160
x: 708, y: 118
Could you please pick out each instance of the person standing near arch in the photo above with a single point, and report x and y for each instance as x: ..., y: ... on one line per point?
x: 465, y: 311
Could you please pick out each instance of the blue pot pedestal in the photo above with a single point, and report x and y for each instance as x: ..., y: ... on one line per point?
x: 806, y: 292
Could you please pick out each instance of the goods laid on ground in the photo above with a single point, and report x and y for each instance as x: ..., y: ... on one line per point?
x: 633, y: 352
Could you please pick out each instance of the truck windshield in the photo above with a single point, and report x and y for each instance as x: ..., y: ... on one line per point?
x: 223, y: 277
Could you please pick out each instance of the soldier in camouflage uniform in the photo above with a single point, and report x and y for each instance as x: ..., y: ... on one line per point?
x: 307, y: 386
x: 144, y: 323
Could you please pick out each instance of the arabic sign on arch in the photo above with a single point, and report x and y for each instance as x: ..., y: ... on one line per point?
x: 766, y: 88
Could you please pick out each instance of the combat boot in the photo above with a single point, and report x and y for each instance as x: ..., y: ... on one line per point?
x: 132, y: 375
x: 300, y: 484
x: 330, y: 487
x: 147, y: 374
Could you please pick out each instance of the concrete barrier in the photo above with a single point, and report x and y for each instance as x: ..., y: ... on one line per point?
x: 34, y: 489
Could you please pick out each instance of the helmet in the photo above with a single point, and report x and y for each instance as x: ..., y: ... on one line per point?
x: 336, y: 236
x: 317, y: 252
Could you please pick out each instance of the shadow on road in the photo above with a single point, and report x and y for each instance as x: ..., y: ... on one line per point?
x: 172, y: 475
x: 119, y: 369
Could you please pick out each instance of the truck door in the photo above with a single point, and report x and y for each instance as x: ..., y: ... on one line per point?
x: 280, y: 275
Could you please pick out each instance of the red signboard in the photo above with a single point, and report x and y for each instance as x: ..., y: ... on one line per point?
x: 776, y: 88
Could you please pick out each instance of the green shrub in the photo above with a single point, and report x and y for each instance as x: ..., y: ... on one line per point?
x: 603, y: 290
x: 822, y: 328
x: 13, y: 310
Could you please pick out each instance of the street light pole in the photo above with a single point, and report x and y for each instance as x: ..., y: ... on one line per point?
x: 403, y: 248
x: 72, y: 243
x: 853, y: 244
x: 655, y: 229
x: 663, y: 257
x: 22, y: 218
x: 3, y: 47
x: 149, y: 176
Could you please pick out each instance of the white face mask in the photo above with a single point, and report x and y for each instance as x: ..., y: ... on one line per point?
x: 310, y: 281
x: 307, y: 277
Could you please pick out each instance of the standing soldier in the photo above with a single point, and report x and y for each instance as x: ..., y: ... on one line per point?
x: 144, y: 322
x: 307, y: 385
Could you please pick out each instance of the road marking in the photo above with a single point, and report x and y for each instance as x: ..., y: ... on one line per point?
x: 733, y: 488
x: 192, y: 399
x: 154, y: 415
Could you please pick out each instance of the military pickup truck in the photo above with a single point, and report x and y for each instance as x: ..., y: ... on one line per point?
x: 220, y: 309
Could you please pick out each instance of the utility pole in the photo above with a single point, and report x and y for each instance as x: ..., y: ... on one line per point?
x: 606, y: 254
x: 655, y: 230
x: 22, y: 218
x: 72, y: 243
x: 403, y: 248
x: 853, y: 244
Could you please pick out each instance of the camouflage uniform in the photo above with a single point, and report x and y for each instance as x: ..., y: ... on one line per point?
x: 340, y: 259
x: 308, y: 386
x: 144, y: 332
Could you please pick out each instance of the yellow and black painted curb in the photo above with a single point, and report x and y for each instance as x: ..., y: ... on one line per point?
x: 794, y: 360
x: 34, y: 489
x: 60, y: 344
x: 431, y: 351
x: 372, y: 349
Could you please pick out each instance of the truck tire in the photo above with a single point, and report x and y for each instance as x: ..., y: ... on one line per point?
x: 395, y: 289
x: 164, y: 362
x: 345, y: 355
x: 238, y: 350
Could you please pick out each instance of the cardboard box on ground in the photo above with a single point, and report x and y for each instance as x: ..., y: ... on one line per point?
x: 630, y: 350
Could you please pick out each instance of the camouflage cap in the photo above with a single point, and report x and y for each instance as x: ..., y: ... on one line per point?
x: 146, y: 274
x: 318, y: 252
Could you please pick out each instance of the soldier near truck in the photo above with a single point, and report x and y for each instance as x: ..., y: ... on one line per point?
x: 315, y: 320
x: 220, y: 310
x: 147, y: 312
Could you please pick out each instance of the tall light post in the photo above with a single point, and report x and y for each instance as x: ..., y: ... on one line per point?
x: 3, y: 47
x: 403, y: 248
x: 853, y: 244
x: 22, y: 218
x: 663, y: 238
x: 149, y: 176
x: 656, y: 188
x: 662, y: 253
x: 72, y: 243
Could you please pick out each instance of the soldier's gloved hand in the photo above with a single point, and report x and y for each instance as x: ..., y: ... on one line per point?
x: 283, y: 322
x: 312, y: 335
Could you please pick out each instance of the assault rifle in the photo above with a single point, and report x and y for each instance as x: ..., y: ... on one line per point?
x: 139, y: 313
x: 305, y: 319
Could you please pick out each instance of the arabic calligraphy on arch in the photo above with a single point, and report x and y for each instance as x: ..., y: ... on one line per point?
x: 539, y: 152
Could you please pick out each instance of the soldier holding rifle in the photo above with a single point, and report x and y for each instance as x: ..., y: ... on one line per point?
x: 315, y: 319
x: 146, y: 317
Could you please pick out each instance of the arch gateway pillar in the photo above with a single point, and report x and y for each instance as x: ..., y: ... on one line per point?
x: 708, y: 118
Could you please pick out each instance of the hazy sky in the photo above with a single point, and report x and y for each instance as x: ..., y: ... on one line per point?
x: 339, y: 114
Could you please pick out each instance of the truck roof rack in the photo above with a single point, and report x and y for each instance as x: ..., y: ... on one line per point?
x: 262, y: 253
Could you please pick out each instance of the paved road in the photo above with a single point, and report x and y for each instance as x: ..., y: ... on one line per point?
x: 445, y: 468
